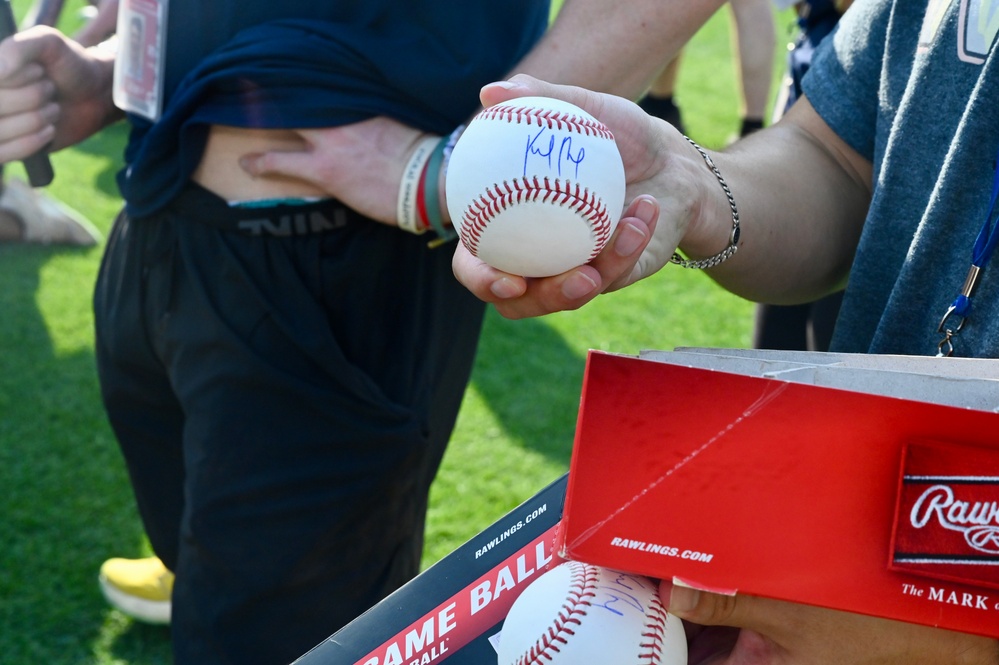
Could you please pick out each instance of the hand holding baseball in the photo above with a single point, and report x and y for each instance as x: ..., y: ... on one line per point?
x: 640, y: 245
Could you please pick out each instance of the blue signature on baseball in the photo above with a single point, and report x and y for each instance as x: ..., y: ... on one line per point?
x: 556, y: 152
x: 621, y: 595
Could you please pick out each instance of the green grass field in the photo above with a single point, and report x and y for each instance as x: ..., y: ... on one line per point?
x: 65, y: 501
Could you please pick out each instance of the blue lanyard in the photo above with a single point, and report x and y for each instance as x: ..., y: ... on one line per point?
x: 985, y: 245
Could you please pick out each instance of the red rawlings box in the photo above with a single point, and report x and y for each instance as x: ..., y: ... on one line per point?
x: 859, y: 483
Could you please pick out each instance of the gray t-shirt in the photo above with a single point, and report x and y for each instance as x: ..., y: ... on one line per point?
x: 913, y: 85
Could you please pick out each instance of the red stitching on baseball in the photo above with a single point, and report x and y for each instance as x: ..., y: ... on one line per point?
x: 582, y: 588
x: 561, y: 120
x: 499, y: 197
x: 655, y: 632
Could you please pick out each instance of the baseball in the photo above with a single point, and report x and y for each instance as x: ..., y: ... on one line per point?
x: 579, y: 613
x: 535, y: 186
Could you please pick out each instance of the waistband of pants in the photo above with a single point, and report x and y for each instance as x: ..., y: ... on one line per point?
x: 283, y: 220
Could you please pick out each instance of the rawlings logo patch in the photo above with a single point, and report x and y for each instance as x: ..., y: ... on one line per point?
x: 947, y: 517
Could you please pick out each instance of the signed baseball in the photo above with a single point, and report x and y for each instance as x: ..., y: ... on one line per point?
x: 579, y: 613
x: 535, y: 186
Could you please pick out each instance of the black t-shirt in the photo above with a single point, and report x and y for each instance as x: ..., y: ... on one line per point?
x: 305, y: 63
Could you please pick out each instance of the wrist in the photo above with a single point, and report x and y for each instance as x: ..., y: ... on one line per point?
x: 452, y: 140
x: 715, y: 230
x: 102, y: 61
x: 442, y: 190
x: 442, y: 221
x: 421, y: 205
x: 410, y: 204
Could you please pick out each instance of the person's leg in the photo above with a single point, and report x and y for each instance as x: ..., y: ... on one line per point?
x: 756, y: 45
x: 319, y: 378
x: 136, y: 389
x: 822, y: 321
x: 143, y: 412
x: 781, y: 327
x: 805, y: 327
x: 659, y: 101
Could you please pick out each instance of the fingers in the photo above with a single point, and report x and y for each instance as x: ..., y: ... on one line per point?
x: 23, y: 86
x: 768, y: 617
x: 700, y: 607
x: 21, y: 55
x: 23, y: 76
x: 28, y: 112
x: 523, y: 85
x: 298, y: 165
x: 32, y: 96
x: 516, y: 297
x: 632, y: 236
x: 25, y: 128
x: 487, y: 283
x: 24, y: 135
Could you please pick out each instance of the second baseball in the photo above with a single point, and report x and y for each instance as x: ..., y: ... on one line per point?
x: 535, y: 186
x: 579, y: 613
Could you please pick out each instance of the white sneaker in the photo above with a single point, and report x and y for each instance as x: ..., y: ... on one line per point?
x: 45, y: 220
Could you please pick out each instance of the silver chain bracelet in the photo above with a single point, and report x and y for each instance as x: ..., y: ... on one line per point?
x: 733, y: 240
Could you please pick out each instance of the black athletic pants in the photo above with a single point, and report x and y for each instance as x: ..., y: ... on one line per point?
x: 282, y: 383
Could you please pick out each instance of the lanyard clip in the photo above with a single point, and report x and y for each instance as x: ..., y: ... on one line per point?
x: 959, y: 310
x: 945, y: 348
x: 953, y: 310
x: 961, y: 307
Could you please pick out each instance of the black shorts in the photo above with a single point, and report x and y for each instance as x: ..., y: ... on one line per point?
x: 282, y: 391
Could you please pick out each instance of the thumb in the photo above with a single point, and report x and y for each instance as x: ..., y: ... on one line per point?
x: 298, y: 165
x: 701, y: 607
x: 761, y: 615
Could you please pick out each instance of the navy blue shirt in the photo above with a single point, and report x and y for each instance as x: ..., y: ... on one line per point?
x: 308, y: 63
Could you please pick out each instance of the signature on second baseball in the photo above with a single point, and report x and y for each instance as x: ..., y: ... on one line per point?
x: 620, y: 596
x: 546, y: 145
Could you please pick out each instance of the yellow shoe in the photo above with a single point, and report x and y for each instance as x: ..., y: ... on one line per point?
x: 140, y: 588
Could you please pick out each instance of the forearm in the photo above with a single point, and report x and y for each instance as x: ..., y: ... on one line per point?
x: 615, y: 47
x: 802, y: 196
x: 609, y: 47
